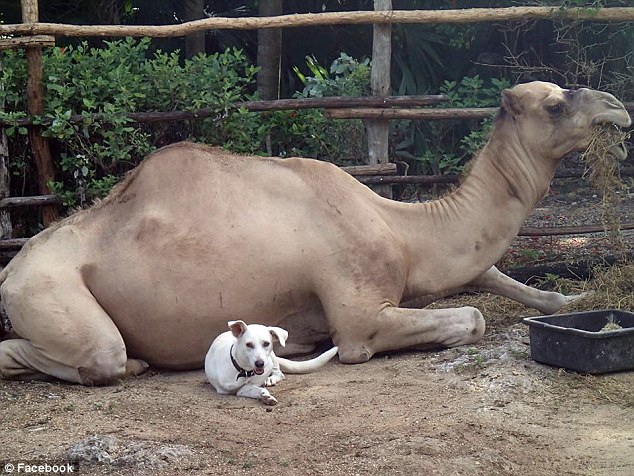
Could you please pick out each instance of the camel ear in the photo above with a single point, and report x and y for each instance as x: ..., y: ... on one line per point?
x: 511, y: 103
x: 237, y: 328
x: 280, y: 334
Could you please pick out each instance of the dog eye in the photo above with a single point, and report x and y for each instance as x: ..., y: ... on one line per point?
x: 265, y: 344
x: 250, y: 345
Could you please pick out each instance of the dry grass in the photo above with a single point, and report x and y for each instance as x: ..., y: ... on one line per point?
x: 610, y: 288
x: 602, y: 157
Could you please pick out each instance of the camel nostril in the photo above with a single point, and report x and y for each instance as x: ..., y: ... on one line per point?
x: 259, y: 364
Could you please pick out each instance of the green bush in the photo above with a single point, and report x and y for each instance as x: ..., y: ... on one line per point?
x: 121, y: 78
x: 347, y: 77
x: 341, y: 141
x: 444, y: 147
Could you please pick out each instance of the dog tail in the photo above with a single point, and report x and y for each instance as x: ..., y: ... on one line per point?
x: 306, y: 366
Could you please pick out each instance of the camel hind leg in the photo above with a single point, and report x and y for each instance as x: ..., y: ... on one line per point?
x: 64, y: 332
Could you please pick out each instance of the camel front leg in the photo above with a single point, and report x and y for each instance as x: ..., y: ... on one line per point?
x: 496, y: 282
x: 396, y: 328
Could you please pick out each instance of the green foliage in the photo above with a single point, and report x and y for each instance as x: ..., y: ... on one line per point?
x: 419, y: 62
x: 308, y: 132
x: 101, y: 85
x: 442, y: 148
x: 347, y: 77
x: 474, y: 91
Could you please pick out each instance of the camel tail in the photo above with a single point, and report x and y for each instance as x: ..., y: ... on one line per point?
x: 306, y: 366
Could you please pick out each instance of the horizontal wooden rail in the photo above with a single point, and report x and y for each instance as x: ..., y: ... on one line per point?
x: 344, y: 102
x: 27, y: 41
x: 346, y: 109
x: 413, y: 114
x: 416, y: 179
x: 466, y: 15
x: 432, y: 179
x: 568, y: 230
x: 262, y: 106
x: 36, y: 201
x: 12, y: 243
x: 370, y: 170
x: 436, y: 114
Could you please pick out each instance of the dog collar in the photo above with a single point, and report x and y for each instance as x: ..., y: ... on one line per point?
x: 241, y: 371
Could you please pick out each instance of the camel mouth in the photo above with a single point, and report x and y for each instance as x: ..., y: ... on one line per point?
x: 619, y: 118
x: 608, y: 119
x: 607, y: 140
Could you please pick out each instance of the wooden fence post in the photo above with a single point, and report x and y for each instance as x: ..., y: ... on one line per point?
x: 269, y: 58
x: 35, y: 92
x: 379, y: 129
x: 6, y: 229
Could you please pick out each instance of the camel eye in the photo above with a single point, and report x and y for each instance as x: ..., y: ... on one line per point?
x: 555, y: 109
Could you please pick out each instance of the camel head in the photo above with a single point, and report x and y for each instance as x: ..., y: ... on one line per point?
x: 552, y: 122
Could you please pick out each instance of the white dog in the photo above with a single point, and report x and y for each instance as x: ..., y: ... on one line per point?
x: 242, y: 362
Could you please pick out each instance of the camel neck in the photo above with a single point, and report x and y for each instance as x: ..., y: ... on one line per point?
x: 469, y: 230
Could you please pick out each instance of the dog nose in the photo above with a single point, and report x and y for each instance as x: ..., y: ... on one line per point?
x: 259, y: 364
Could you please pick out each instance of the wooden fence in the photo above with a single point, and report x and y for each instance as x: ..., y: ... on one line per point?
x: 377, y: 111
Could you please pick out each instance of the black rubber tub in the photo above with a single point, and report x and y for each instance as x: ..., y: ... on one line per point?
x: 578, y: 341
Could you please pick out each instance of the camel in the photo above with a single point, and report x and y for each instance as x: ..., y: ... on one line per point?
x: 195, y: 237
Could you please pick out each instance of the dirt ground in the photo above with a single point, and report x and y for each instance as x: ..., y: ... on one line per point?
x: 486, y: 409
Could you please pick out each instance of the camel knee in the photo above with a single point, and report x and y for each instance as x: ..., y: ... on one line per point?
x: 9, y: 367
x: 354, y: 353
x: 468, y: 329
x: 104, y: 368
x: 478, y: 325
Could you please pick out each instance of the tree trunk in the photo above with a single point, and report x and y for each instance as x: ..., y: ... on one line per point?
x: 194, y: 42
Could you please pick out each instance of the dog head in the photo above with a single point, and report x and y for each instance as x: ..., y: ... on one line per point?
x: 255, y: 343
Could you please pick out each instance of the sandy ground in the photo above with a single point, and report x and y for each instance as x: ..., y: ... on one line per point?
x: 486, y: 409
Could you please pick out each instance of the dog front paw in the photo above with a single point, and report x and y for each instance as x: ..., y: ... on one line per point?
x: 273, y: 379
x: 268, y: 399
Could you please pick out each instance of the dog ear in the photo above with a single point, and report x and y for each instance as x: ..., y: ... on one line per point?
x: 280, y: 334
x: 237, y: 328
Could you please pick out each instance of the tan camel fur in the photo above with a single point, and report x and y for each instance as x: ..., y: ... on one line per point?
x: 196, y: 237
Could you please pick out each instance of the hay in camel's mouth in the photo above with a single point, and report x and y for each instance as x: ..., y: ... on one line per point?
x: 602, y: 157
